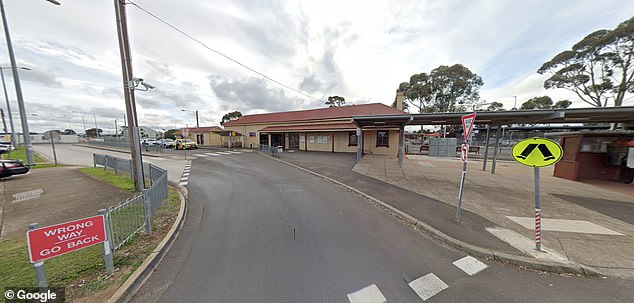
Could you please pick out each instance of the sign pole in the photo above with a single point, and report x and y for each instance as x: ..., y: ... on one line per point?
x: 538, y: 210
x: 39, y: 266
x: 468, y: 121
x: 464, y: 173
x: 107, y: 253
x: 537, y: 152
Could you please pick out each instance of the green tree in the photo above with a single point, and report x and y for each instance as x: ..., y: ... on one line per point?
x: 562, y: 104
x: 598, y: 69
x: 335, y: 101
x: 234, y: 115
x: 171, y: 133
x: 444, y: 89
x: 495, y: 106
x: 544, y: 102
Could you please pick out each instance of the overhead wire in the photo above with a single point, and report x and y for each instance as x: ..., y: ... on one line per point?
x: 221, y: 53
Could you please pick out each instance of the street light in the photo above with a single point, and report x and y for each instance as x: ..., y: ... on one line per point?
x: 6, y: 98
x: 193, y: 111
x: 18, y: 88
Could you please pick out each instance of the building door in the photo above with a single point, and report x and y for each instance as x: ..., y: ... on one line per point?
x: 293, y: 141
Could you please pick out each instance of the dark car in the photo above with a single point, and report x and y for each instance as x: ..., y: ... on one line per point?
x: 12, y: 167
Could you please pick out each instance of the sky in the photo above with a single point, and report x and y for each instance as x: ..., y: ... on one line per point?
x: 360, y: 50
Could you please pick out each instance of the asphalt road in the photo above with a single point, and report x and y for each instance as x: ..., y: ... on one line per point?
x: 80, y: 155
x: 260, y: 231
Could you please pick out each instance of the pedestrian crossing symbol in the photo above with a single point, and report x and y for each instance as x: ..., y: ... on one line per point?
x: 537, y: 152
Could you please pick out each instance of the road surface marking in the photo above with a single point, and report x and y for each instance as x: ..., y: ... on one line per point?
x: 525, y: 244
x: 428, y: 286
x: 370, y: 294
x: 27, y: 195
x: 573, y: 226
x: 470, y: 265
x: 212, y: 154
x: 233, y: 152
x: 183, y: 183
x: 224, y: 153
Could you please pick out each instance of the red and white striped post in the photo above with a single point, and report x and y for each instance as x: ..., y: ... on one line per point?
x: 538, y: 211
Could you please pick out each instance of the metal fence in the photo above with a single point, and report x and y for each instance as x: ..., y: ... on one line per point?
x: 125, y: 144
x: 274, y: 151
x: 131, y: 216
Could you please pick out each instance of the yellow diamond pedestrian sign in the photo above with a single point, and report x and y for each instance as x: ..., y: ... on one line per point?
x: 537, y: 152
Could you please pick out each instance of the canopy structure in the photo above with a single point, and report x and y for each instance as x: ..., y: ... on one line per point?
x: 622, y: 114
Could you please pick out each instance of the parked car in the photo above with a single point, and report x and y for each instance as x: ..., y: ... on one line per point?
x: 166, y: 143
x: 12, y: 167
x: 150, y: 142
x: 185, y: 144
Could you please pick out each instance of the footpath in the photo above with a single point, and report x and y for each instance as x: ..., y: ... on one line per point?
x: 588, y: 228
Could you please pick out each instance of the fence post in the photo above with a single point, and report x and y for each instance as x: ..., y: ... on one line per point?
x: 105, y: 163
x: 94, y: 160
x: 39, y: 266
x: 107, y: 252
x: 150, y: 166
x: 148, y: 211
x: 130, y: 170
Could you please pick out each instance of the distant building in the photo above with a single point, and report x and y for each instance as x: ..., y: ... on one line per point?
x: 323, y: 129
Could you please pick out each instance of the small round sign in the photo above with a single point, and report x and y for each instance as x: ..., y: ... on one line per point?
x: 537, y: 152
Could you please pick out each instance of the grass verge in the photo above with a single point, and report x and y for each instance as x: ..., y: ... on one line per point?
x: 82, y: 272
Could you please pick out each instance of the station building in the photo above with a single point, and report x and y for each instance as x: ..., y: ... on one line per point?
x: 324, y: 129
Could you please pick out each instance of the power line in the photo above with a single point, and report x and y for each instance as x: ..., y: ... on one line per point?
x: 221, y: 53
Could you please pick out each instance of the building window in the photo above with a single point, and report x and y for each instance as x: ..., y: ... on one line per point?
x: 352, y: 138
x: 383, y: 138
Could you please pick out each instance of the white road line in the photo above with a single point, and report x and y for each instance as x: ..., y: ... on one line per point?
x: 212, y: 154
x: 233, y: 152
x: 370, y: 294
x: 224, y: 153
x: 428, y: 286
x: 184, y: 178
x: 185, y: 174
x: 183, y: 183
x: 470, y: 265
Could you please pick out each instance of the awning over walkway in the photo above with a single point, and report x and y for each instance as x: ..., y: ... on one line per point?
x: 623, y: 114
x: 310, y: 128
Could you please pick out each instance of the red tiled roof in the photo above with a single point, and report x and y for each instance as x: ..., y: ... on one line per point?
x: 319, y: 114
x: 311, y: 127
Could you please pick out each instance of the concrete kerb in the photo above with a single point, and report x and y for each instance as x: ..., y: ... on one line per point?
x: 139, y: 276
x: 557, y: 267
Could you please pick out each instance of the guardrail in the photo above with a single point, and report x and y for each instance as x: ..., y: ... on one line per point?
x: 129, y: 217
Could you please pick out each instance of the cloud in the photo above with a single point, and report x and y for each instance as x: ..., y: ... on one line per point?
x: 253, y: 94
x: 40, y: 77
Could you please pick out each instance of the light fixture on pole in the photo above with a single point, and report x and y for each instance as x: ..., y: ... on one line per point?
x: 130, y: 83
x: 193, y: 111
x: 6, y: 98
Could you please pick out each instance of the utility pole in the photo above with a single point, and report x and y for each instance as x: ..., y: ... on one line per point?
x: 197, y: 125
x: 116, y: 129
x: 128, y: 88
x: 18, y: 89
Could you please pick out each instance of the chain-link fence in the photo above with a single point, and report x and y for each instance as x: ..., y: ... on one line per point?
x: 131, y: 216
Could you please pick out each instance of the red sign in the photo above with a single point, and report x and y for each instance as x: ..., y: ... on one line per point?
x: 467, y: 124
x: 464, y: 152
x: 52, y: 241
